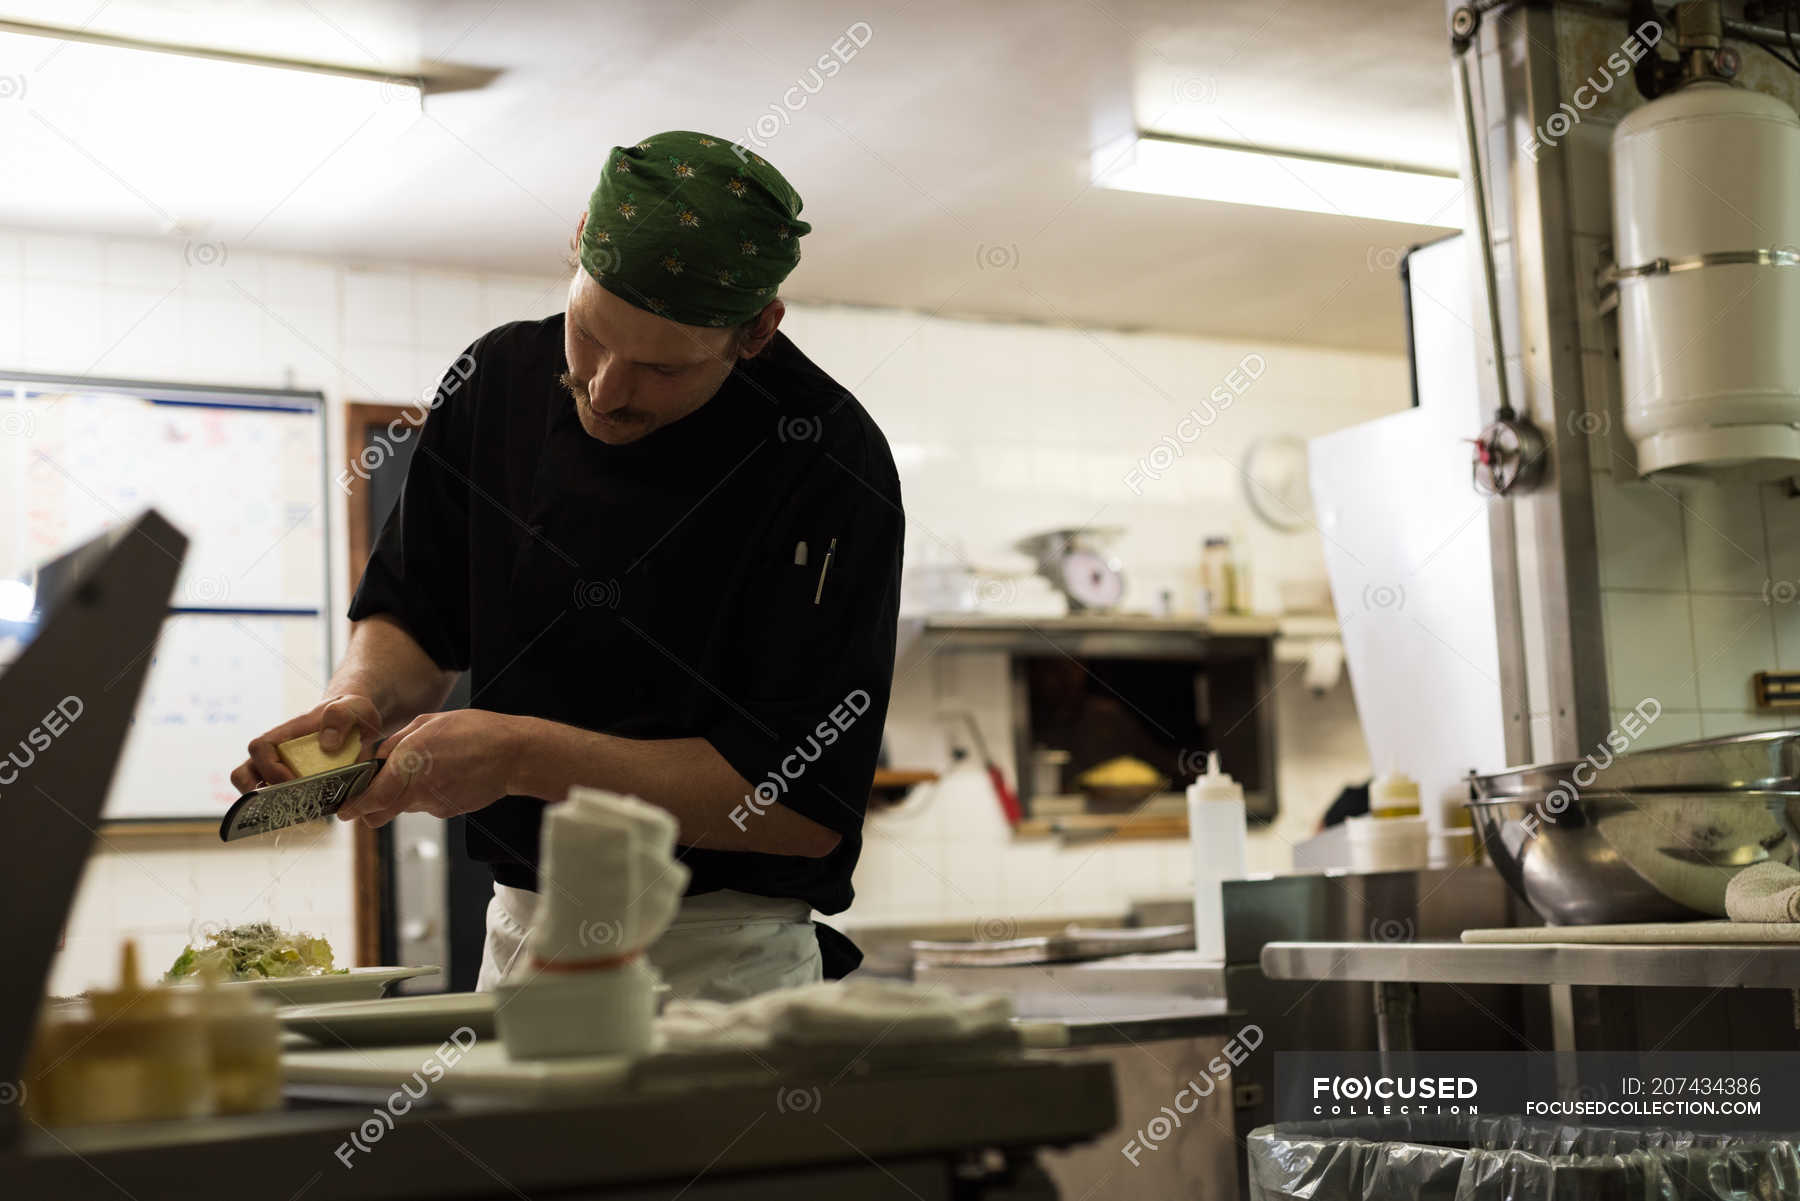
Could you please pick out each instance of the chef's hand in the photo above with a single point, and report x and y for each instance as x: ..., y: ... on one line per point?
x: 333, y: 718
x: 442, y: 764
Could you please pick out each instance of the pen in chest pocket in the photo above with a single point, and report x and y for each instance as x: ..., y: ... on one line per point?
x: 801, y: 555
x: 824, y: 567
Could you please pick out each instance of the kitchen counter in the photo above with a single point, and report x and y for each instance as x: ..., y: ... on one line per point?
x: 1730, y: 965
x: 1093, y: 634
x: 1164, y: 984
x: 1396, y: 969
x: 895, y: 1133
x: 1217, y: 1023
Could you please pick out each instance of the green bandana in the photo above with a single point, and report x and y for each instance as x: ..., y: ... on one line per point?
x: 692, y: 228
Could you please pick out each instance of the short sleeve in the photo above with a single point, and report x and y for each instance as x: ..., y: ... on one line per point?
x: 808, y: 690
x: 418, y: 571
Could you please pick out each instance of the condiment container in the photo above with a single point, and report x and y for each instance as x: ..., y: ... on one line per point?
x: 244, y: 1048
x: 1388, y: 844
x: 1217, y: 576
x: 1455, y: 844
x: 1394, y: 795
x: 128, y: 1054
x: 1216, y: 829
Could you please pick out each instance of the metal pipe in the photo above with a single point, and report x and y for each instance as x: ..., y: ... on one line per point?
x: 1503, y: 530
x: 1743, y: 31
x: 1478, y: 180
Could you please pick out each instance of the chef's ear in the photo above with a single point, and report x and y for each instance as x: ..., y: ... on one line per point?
x: 756, y: 333
x: 573, y: 262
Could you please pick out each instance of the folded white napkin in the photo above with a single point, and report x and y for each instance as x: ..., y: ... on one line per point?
x: 847, y: 1011
x: 608, y: 882
x: 1764, y: 892
x: 859, y: 1010
x: 696, y: 1024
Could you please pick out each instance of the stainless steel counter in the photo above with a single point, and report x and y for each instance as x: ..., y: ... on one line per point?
x: 1161, y: 1017
x: 1611, y: 1011
x: 1683, y: 966
x: 1162, y: 984
x: 1219, y: 1023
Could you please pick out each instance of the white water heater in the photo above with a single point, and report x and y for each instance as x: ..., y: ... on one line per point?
x: 1706, y: 229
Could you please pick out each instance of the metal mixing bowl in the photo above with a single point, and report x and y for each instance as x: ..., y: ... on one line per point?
x: 1634, y: 856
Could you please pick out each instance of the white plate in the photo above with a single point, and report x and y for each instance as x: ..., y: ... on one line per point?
x: 357, y: 984
x: 390, y: 1021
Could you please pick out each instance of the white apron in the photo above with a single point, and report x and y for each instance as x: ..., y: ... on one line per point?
x: 722, y: 946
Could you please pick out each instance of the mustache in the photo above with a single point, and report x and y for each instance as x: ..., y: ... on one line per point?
x: 578, y: 390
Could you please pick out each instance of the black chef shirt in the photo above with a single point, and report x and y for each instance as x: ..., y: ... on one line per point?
x: 653, y: 590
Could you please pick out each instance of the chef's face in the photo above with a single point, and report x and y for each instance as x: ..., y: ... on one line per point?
x: 632, y: 372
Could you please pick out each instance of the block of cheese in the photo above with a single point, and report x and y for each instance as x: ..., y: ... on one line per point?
x: 305, y: 757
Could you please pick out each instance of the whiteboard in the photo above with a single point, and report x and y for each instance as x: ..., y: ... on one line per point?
x: 242, y: 474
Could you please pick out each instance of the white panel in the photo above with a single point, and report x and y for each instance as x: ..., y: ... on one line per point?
x: 1407, y: 548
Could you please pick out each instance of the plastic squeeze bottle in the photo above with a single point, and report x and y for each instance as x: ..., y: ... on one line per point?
x: 1215, y: 804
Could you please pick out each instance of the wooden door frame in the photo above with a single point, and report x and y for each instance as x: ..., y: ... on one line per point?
x: 367, y: 872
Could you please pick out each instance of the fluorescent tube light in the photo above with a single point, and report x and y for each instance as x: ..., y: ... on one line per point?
x: 1282, y: 179
x: 183, y: 132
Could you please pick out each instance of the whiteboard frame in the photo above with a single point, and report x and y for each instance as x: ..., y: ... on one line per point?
x: 248, y: 397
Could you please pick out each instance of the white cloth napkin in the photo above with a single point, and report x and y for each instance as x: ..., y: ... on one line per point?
x: 846, y: 1011
x: 608, y: 882
x: 859, y: 1010
x: 1764, y: 892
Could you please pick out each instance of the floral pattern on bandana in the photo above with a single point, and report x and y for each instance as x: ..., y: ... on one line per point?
x: 705, y: 235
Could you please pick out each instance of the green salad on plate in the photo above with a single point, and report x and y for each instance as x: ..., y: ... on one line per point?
x: 255, y: 951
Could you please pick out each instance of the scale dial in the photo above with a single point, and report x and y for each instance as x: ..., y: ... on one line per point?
x: 1091, y: 581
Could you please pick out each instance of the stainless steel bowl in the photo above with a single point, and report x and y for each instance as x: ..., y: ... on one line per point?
x: 1634, y: 856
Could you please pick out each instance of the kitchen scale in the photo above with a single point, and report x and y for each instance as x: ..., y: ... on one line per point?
x: 1078, y: 563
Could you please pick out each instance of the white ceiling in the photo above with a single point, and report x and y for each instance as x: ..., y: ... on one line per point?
x: 945, y: 168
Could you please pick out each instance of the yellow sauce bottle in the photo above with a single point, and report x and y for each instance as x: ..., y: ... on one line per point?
x: 1394, y: 795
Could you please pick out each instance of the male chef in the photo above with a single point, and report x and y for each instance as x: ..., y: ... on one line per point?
x: 666, y: 547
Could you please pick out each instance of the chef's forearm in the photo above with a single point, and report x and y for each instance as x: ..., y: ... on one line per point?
x: 386, y: 664
x: 685, y: 776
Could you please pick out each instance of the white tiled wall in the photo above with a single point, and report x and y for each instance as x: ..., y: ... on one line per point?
x: 1698, y: 580
x: 1693, y: 603
x: 946, y: 854
x: 999, y: 430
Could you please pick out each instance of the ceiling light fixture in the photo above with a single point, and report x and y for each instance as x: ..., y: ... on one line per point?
x: 1239, y: 173
x: 119, y: 42
x: 197, y: 139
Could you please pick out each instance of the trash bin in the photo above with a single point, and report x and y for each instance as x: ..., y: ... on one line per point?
x: 1502, y: 1158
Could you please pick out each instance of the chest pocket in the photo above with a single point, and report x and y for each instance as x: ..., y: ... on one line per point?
x: 797, y: 620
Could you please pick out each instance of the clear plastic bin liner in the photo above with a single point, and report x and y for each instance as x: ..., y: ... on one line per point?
x: 1498, y: 1158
